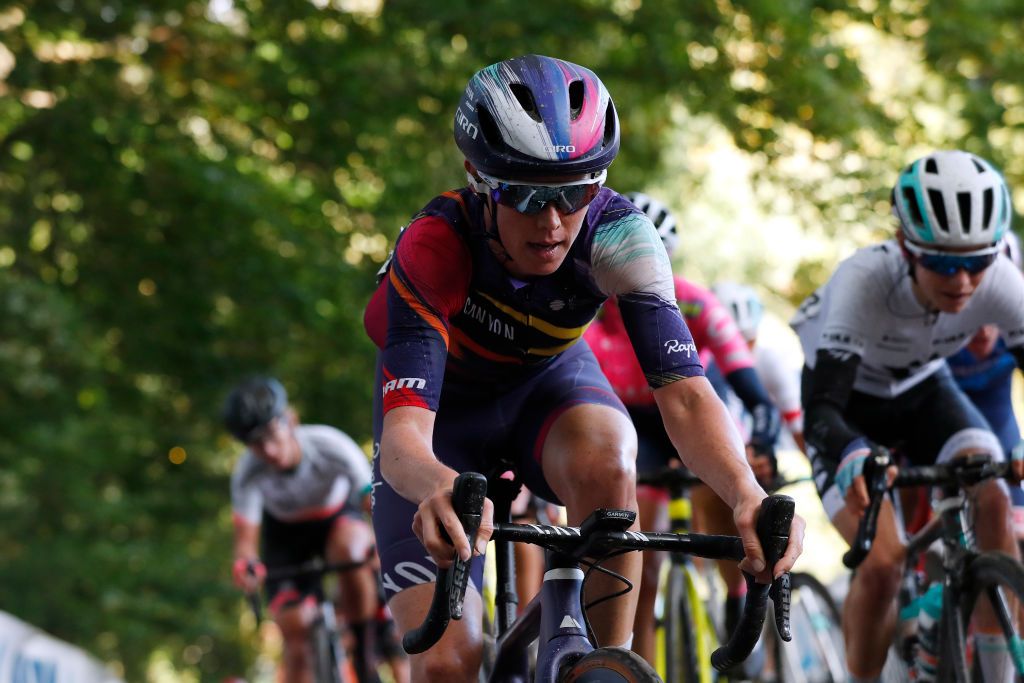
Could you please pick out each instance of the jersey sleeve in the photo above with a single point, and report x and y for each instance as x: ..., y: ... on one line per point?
x: 426, y: 285
x: 714, y: 329
x: 246, y: 499
x: 346, y: 457
x: 630, y: 263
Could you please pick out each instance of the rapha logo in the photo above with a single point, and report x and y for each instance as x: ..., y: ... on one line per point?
x: 405, y: 383
x: 676, y: 346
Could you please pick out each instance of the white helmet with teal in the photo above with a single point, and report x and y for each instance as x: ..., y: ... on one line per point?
x: 952, y: 199
x: 744, y: 305
x: 662, y: 218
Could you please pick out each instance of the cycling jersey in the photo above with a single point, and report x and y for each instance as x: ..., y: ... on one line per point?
x: 713, y: 329
x: 868, y: 309
x: 333, y: 471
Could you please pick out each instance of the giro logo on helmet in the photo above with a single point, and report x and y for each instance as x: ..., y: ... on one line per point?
x: 560, y: 148
x: 471, y: 130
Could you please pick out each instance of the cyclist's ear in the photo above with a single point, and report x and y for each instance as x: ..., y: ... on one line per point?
x: 292, y: 417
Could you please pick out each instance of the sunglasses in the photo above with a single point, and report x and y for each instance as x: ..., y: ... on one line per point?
x: 950, y: 263
x: 530, y: 199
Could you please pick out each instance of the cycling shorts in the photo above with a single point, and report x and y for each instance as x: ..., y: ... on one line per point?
x: 928, y: 423
x: 654, y: 450
x: 475, y: 427
x: 288, y: 544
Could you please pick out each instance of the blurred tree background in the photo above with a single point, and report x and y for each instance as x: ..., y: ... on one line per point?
x: 195, y: 190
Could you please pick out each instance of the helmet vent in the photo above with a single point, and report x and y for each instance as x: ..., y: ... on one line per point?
x: 660, y: 218
x: 575, y: 99
x: 610, y: 121
x: 939, y: 207
x: 981, y: 169
x: 931, y: 167
x: 526, y: 100
x: 988, y: 198
x: 489, y: 128
x: 963, y: 200
x: 915, y: 210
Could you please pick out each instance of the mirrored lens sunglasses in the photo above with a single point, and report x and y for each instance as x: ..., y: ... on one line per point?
x: 530, y: 199
x: 949, y: 263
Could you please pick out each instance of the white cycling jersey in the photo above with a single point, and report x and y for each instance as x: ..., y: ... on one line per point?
x: 868, y: 309
x: 333, y: 468
x: 782, y: 382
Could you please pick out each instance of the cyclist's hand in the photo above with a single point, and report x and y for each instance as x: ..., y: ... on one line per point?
x: 850, y: 476
x: 436, y: 512
x: 248, y: 574
x: 745, y: 516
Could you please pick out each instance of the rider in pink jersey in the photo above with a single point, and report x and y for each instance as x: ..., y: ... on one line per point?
x: 715, y: 336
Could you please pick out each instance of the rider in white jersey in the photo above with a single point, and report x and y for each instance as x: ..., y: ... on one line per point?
x: 875, y: 338
x: 298, y: 492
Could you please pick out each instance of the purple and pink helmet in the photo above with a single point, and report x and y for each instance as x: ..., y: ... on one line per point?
x: 537, y: 116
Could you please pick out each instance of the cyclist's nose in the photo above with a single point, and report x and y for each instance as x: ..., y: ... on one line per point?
x: 549, y: 218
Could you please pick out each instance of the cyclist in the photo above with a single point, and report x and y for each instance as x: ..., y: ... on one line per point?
x: 875, y: 338
x: 298, y: 492
x: 984, y: 370
x: 771, y: 364
x: 490, y: 288
x: 716, y: 337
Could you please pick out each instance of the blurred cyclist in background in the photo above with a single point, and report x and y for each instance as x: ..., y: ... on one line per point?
x: 299, y: 492
x: 773, y: 367
x: 716, y: 337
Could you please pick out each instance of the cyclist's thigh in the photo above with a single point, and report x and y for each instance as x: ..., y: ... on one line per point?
x: 574, y: 380
x: 350, y: 538
x: 946, y: 424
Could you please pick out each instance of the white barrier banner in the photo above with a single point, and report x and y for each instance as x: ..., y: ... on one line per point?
x: 28, y: 655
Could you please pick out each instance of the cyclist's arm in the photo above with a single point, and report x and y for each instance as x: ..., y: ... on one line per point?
x: 427, y: 284
x: 247, y: 539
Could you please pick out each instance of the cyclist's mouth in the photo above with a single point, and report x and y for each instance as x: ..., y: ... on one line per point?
x: 545, y: 250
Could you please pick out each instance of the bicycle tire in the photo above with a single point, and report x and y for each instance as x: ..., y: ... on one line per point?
x: 679, y: 631
x: 610, y: 665
x: 817, y: 636
x: 984, y: 573
x: 326, y: 667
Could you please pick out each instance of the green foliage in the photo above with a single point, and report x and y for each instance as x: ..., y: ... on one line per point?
x: 186, y: 197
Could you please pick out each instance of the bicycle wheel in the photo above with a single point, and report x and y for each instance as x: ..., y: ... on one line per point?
x: 326, y: 650
x: 610, y: 665
x: 679, y: 642
x: 995, y: 581
x: 817, y: 653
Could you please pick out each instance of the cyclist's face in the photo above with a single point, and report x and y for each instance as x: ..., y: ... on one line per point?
x: 537, y: 243
x: 946, y: 293
x: 277, y: 444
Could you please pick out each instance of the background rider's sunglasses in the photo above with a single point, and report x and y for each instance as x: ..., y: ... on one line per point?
x: 530, y: 199
x: 950, y: 263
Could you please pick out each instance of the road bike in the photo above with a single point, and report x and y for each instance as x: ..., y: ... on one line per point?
x: 330, y: 661
x: 557, y: 617
x: 968, y: 577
